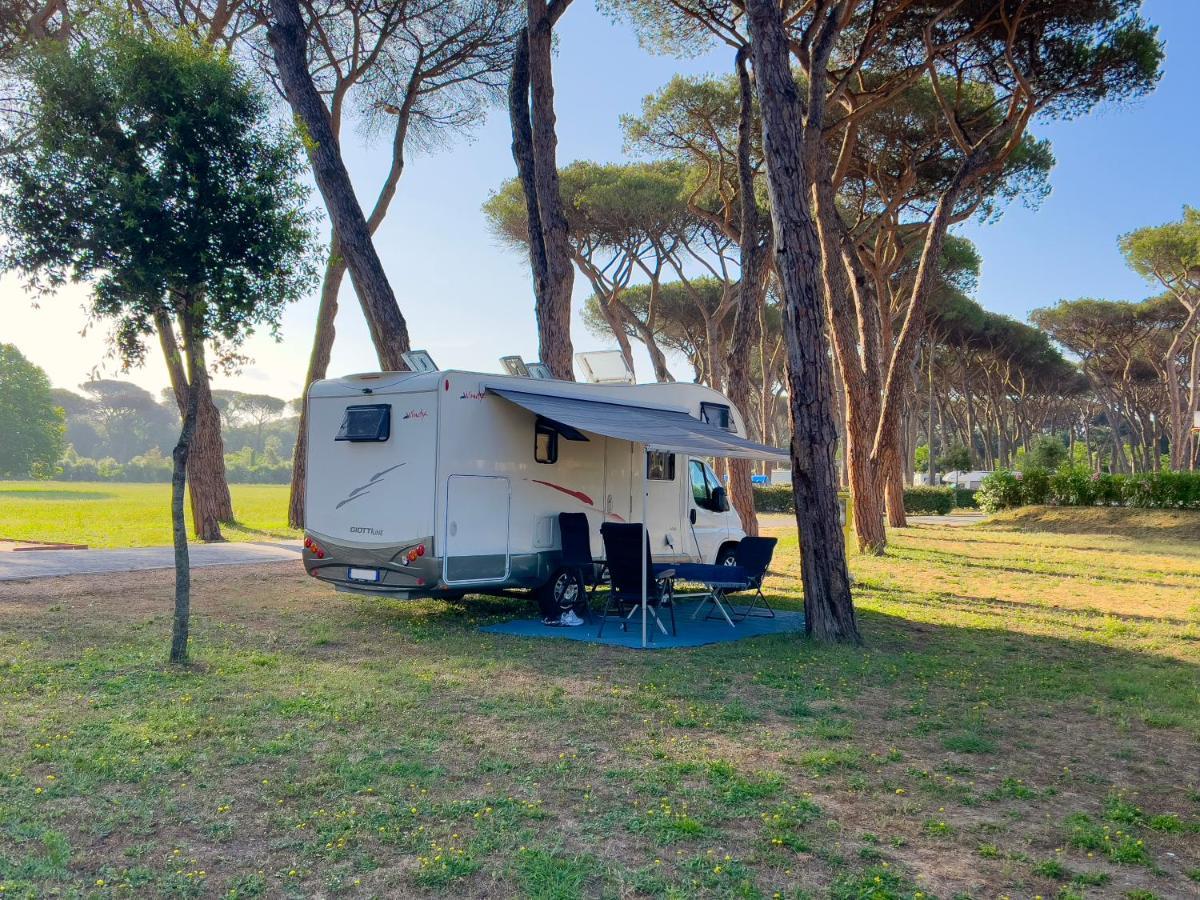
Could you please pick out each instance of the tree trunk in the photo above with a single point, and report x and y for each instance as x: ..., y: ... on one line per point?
x: 318, y: 367
x: 554, y: 307
x: 207, y: 484
x: 179, y: 466
x: 752, y: 289
x: 828, y: 607
x: 522, y: 152
x: 289, y: 42
x: 331, y: 285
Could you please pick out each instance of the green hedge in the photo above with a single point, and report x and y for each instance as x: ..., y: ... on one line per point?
x: 928, y: 501
x: 777, y: 498
x: 964, y: 498
x: 156, y: 469
x: 773, y: 498
x: 1074, y: 485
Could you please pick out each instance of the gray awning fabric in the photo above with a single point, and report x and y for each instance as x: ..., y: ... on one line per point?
x: 657, y: 428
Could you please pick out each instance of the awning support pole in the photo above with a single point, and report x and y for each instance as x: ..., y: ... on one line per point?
x: 645, y: 544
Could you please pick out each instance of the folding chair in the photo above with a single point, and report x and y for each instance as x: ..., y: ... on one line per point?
x: 623, y: 545
x: 753, y: 556
x: 575, y: 532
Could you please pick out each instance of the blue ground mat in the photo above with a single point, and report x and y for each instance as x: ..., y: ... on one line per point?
x: 692, y: 632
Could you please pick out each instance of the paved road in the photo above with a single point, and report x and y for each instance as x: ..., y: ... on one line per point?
x: 44, y: 563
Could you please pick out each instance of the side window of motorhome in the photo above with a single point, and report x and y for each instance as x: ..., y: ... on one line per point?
x: 699, y: 484
x: 371, y: 422
x: 716, y: 414
x: 545, y: 443
x: 704, y: 482
x: 660, y: 466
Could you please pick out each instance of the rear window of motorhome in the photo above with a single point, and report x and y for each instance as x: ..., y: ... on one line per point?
x: 716, y: 414
x: 545, y: 443
x: 660, y: 465
x: 366, y: 423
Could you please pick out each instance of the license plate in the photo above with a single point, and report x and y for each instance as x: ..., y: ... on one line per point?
x: 363, y: 574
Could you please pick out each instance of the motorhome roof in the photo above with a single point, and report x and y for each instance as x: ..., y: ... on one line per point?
x: 413, y: 382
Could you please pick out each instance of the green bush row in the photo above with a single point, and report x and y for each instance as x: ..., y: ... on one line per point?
x: 156, y: 469
x: 1076, y: 485
x: 777, y: 498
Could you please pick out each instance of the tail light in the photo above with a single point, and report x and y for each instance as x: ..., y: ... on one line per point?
x: 420, y: 549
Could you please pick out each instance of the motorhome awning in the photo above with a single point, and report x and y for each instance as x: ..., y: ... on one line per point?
x: 657, y: 428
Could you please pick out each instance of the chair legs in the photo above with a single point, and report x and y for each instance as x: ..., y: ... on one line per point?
x: 634, y: 606
x: 758, y: 600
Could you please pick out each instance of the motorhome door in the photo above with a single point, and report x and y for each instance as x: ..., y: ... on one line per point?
x: 477, y: 520
x: 618, y: 482
x: 711, y: 527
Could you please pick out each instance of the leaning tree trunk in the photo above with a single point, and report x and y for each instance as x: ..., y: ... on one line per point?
x: 828, y: 607
x: 289, y: 43
x: 752, y: 289
x: 554, y: 308
x: 179, y: 466
x: 207, y: 484
x: 318, y: 367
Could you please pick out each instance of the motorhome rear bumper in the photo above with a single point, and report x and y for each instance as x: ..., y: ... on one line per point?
x: 423, y: 576
x: 397, y: 575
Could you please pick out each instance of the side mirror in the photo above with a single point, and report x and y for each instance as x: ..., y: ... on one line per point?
x: 692, y: 516
x: 720, y: 499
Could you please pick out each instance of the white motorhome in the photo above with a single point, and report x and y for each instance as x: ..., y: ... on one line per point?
x: 439, y: 484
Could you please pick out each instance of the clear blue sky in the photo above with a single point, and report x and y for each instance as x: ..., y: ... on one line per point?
x: 468, y: 300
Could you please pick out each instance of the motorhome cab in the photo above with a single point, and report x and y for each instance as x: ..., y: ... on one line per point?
x: 439, y: 484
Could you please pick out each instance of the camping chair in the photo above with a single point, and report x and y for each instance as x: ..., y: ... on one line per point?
x: 575, y: 532
x: 753, y: 556
x: 623, y: 545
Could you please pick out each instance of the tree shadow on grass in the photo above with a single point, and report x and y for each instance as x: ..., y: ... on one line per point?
x: 920, y: 662
x: 39, y: 494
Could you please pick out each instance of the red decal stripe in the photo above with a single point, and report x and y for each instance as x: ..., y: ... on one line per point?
x: 578, y: 495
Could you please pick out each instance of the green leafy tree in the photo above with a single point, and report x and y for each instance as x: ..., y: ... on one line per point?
x: 31, y: 423
x: 957, y: 458
x: 155, y: 175
x: 1046, y: 452
x: 1169, y: 255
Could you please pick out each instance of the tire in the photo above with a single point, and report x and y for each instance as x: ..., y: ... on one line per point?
x: 564, y: 591
x: 726, y: 555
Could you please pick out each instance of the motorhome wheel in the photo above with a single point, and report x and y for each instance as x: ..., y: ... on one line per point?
x: 564, y: 589
x: 727, y: 555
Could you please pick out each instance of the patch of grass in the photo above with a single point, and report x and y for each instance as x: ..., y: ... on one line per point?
x: 1118, y: 845
x: 128, y: 515
x: 1052, y: 868
x: 550, y: 876
x: 331, y: 745
x: 880, y: 882
x: 968, y: 742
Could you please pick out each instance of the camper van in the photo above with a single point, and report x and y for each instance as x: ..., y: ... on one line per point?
x: 444, y: 483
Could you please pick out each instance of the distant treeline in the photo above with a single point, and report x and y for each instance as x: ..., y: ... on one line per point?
x: 118, y: 431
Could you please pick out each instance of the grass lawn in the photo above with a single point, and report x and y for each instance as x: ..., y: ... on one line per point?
x: 107, y: 514
x: 1024, y: 721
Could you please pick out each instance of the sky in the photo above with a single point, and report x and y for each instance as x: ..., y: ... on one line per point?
x: 468, y: 299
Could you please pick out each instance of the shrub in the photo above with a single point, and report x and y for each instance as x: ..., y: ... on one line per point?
x: 964, y: 498
x: 1073, y: 485
x: 773, y: 498
x: 1035, y: 486
x: 936, y: 501
x: 150, y: 467
x: 1000, y: 490
x: 1162, y: 490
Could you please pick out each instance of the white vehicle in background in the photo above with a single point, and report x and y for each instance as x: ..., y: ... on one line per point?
x: 443, y: 483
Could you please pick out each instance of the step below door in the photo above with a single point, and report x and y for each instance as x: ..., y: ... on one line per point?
x: 477, y: 517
